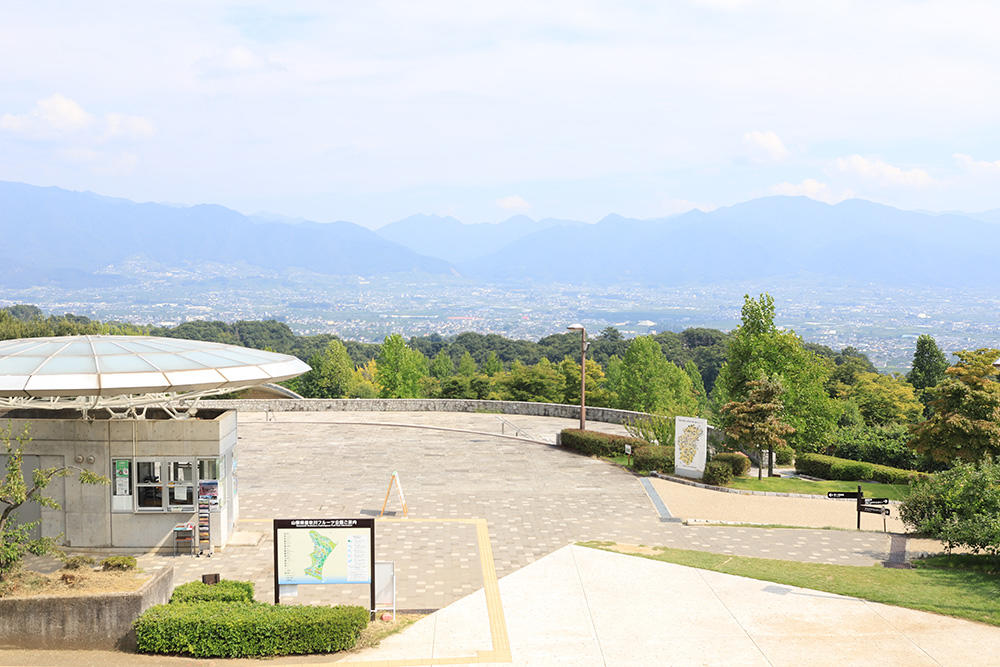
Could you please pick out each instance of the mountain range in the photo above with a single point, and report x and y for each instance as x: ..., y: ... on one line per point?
x: 56, y: 236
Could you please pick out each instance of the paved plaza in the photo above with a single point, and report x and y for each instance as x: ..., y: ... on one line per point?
x: 536, y: 499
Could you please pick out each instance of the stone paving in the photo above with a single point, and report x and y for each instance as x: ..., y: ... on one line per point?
x: 536, y: 498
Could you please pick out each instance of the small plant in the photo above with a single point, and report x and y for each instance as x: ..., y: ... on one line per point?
x: 653, y: 457
x: 737, y: 461
x: 784, y: 455
x: 77, y: 562
x: 118, y: 563
x: 717, y: 473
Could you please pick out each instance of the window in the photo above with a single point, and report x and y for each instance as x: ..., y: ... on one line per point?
x: 181, y: 485
x: 164, y: 485
x: 149, y: 485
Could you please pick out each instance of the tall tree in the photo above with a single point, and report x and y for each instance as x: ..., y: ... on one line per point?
x: 645, y: 381
x: 885, y: 399
x: 442, y: 366
x: 467, y: 365
x: 929, y: 364
x: 492, y: 365
x: 965, y: 423
x: 331, y: 375
x: 399, y: 369
x: 758, y: 350
x: 756, y: 421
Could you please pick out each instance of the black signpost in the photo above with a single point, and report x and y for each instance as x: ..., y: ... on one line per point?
x: 864, y: 505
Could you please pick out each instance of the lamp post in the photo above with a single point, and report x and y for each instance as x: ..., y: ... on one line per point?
x: 583, y: 373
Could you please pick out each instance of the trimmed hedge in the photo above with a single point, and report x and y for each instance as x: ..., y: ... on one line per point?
x: 118, y: 563
x: 245, y: 629
x: 653, y: 457
x: 227, y: 590
x: 784, y: 455
x: 831, y: 467
x: 717, y: 473
x: 738, y: 462
x: 595, y: 443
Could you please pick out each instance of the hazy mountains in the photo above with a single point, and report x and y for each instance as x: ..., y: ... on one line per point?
x: 54, y: 236
x: 50, y: 232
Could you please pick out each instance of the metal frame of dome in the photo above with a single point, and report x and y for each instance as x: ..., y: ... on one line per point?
x: 127, y: 374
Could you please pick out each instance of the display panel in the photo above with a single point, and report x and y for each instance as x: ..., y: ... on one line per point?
x: 324, y: 551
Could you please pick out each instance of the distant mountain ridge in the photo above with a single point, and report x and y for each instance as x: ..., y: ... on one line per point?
x: 55, y: 236
x: 56, y: 229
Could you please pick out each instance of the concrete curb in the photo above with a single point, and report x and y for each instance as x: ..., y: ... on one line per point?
x: 745, y: 492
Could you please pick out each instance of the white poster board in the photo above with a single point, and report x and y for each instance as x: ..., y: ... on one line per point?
x: 690, y: 446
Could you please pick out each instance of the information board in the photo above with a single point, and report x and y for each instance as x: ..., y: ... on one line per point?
x: 323, y: 551
x: 690, y: 446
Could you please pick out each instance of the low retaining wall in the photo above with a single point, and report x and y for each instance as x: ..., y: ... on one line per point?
x: 596, y: 414
x: 84, y: 622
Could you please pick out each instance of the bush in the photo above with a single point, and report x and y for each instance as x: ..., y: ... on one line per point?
x: 882, y: 445
x: 120, y: 563
x: 717, y: 473
x: 831, y: 467
x: 738, y: 462
x: 226, y: 590
x: 244, y: 629
x: 77, y: 562
x: 784, y: 455
x: 595, y: 443
x: 959, y: 506
x: 653, y: 457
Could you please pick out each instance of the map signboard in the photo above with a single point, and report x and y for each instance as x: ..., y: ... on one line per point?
x: 323, y: 551
x: 690, y: 446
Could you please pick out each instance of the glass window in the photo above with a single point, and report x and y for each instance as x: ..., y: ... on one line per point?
x: 208, y: 469
x: 182, y: 471
x: 148, y: 472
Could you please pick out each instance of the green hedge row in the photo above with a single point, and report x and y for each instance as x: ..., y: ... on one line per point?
x: 737, y: 461
x: 717, y: 473
x: 831, y: 467
x: 595, y: 443
x: 653, y: 457
x: 227, y: 590
x: 245, y: 629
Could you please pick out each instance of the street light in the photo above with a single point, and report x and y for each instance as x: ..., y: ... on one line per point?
x: 583, y: 373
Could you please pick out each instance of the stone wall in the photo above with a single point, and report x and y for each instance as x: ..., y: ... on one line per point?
x: 84, y: 622
x: 596, y: 414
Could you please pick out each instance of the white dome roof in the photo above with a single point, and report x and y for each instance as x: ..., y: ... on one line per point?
x: 117, y: 365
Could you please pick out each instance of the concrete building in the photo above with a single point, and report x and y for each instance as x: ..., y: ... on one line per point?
x: 126, y: 407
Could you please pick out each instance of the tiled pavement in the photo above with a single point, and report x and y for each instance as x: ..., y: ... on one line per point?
x: 536, y: 498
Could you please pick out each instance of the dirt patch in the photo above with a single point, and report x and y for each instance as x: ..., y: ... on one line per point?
x: 640, y: 549
x: 70, y: 583
x: 378, y: 630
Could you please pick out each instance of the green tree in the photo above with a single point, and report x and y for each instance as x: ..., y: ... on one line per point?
x: 929, y: 364
x: 467, y: 365
x: 331, y: 375
x: 646, y: 382
x: 542, y: 382
x: 965, y: 422
x: 597, y: 394
x: 15, y: 492
x: 399, y: 369
x: 756, y: 421
x: 442, y: 366
x: 697, y: 386
x: 758, y: 350
x: 493, y: 365
x: 885, y: 399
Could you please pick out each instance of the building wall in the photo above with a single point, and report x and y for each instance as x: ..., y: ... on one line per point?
x: 86, y: 519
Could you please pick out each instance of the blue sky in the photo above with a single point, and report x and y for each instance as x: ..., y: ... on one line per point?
x: 373, y: 111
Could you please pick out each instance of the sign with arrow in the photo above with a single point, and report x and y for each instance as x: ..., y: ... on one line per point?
x: 871, y: 509
x: 877, y: 501
x: 843, y: 494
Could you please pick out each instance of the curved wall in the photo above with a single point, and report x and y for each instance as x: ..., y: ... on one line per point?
x: 596, y: 414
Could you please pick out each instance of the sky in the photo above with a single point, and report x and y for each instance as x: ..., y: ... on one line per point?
x: 373, y: 111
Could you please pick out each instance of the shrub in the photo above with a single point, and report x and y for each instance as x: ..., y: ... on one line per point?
x: 831, y: 467
x: 77, y: 562
x: 226, y: 590
x: 717, y: 473
x: 655, y: 429
x: 784, y: 455
x: 959, y: 506
x: 243, y: 629
x: 653, y: 457
x: 738, y: 462
x: 121, y: 563
x: 883, y: 445
x: 595, y: 443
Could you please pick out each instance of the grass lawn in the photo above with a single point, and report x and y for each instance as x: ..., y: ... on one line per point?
x: 789, y: 485
x: 954, y: 592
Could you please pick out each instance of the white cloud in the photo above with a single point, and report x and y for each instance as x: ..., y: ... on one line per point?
x: 969, y: 163
x: 811, y: 188
x: 883, y: 173
x: 129, y: 127
x: 237, y: 60
x: 765, y: 146
x: 513, y: 203
x: 52, y: 116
